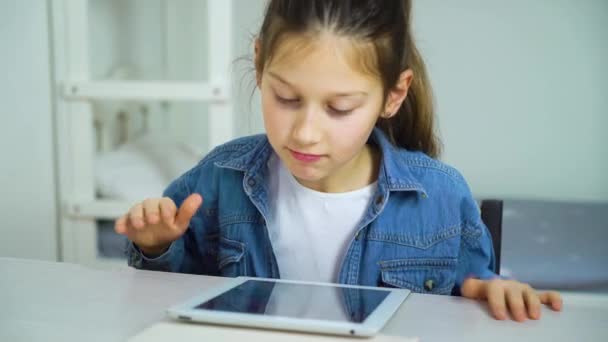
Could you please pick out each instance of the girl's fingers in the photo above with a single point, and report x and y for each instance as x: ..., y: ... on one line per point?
x: 120, y: 226
x: 187, y: 210
x: 552, y: 299
x: 136, y: 216
x: 532, y: 302
x: 151, y: 211
x: 168, y: 211
x: 496, y: 300
x: 522, y: 300
x: 157, y: 214
x: 515, y: 301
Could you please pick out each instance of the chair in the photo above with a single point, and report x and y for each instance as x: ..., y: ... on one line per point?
x: 491, y: 215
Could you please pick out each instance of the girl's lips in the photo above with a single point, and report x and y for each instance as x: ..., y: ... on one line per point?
x: 309, y: 158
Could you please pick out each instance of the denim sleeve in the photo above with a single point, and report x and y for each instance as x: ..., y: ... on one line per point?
x: 183, y: 255
x: 476, y: 256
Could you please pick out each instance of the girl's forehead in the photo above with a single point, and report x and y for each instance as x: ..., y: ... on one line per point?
x: 324, y: 52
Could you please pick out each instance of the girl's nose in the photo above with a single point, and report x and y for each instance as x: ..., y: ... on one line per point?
x: 307, y: 129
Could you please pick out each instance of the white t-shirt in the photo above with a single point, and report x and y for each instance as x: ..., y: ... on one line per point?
x: 310, y: 230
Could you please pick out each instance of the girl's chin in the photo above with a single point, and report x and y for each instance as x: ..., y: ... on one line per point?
x: 305, y: 173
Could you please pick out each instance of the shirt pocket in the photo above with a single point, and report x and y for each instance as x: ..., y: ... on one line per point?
x: 231, y: 258
x: 431, y: 276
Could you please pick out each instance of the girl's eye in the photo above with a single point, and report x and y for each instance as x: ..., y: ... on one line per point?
x: 339, y: 111
x: 286, y: 100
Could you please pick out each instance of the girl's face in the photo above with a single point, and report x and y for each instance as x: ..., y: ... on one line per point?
x: 319, y: 112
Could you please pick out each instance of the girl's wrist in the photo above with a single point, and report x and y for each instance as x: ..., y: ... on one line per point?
x: 155, y: 251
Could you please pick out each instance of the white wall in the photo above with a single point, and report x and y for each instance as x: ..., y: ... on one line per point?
x: 28, y: 226
x: 521, y: 89
x: 521, y: 93
x: 248, y: 15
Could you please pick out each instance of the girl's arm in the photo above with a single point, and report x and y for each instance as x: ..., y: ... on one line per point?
x: 476, y: 279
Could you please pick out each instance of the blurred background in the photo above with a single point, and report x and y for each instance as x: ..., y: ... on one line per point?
x: 105, y: 101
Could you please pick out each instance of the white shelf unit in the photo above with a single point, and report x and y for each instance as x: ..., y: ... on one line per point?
x: 74, y: 92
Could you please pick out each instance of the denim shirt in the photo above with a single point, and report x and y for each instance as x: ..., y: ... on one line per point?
x: 422, y: 230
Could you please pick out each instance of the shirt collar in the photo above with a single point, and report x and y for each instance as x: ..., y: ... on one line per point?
x: 395, y: 172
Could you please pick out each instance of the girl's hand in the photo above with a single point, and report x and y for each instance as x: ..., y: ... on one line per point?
x: 154, y: 223
x: 518, y: 298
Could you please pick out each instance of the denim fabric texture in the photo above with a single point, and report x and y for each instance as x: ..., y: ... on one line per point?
x: 422, y: 230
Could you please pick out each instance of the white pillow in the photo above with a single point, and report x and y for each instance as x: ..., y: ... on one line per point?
x: 142, y: 169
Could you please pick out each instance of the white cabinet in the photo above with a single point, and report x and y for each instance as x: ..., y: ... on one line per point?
x: 133, y: 72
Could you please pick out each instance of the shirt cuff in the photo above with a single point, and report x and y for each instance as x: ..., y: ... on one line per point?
x: 139, y: 260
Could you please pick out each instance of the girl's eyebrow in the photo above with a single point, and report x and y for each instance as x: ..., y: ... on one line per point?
x: 279, y: 78
x: 338, y: 94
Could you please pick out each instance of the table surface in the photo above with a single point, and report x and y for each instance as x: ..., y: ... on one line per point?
x: 59, y: 301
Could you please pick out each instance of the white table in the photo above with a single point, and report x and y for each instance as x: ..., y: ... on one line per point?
x: 46, y: 301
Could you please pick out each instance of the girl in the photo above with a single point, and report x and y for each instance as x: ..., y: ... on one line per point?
x: 345, y: 185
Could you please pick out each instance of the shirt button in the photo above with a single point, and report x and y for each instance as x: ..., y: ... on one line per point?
x: 429, y: 284
x: 251, y: 182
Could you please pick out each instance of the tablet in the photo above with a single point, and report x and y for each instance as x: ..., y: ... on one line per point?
x: 294, y: 305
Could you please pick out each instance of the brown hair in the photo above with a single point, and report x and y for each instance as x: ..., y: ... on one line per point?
x: 386, y: 26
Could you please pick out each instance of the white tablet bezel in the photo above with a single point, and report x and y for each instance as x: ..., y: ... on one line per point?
x: 370, y: 326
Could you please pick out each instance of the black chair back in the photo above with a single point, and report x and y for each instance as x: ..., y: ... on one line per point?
x: 491, y: 215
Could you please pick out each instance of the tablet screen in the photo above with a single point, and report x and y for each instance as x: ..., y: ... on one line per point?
x: 298, y: 301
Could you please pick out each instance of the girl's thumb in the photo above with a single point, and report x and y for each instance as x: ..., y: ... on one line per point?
x: 187, y: 210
